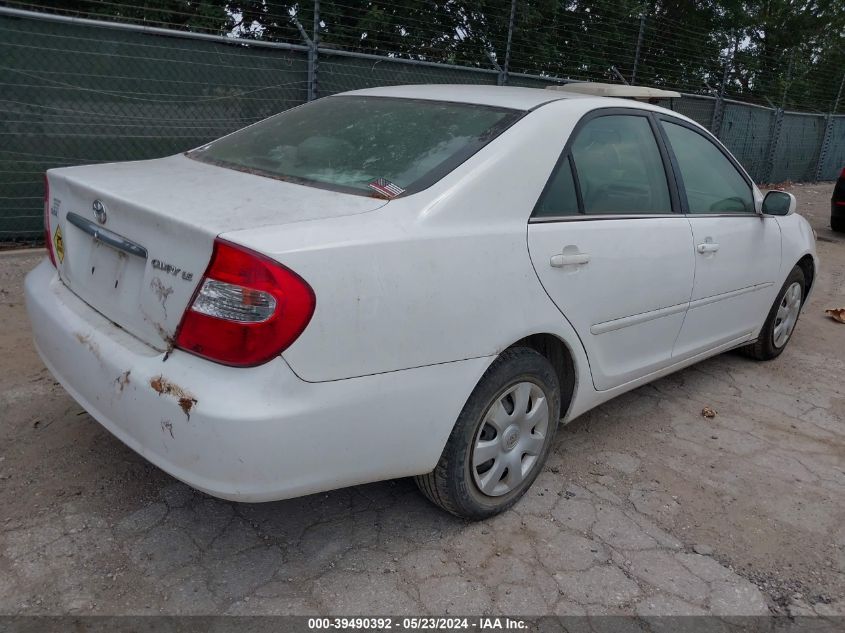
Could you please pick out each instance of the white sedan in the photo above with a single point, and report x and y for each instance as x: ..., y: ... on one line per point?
x: 409, y: 281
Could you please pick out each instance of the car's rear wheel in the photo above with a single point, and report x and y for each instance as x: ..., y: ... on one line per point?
x: 780, y: 323
x: 837, y: 224
x: 501, y: 438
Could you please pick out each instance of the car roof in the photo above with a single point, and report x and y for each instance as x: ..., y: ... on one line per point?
x: 498, y: 96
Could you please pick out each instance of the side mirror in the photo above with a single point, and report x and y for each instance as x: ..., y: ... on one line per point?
x: 778, y: 203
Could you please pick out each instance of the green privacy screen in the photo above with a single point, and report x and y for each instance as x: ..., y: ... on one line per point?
x: 74, y: 94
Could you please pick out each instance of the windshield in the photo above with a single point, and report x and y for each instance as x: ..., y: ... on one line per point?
x: 349, y: 143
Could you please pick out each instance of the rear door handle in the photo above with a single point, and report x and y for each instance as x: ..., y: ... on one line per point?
x: 707, y: 247
x: 559, y: 261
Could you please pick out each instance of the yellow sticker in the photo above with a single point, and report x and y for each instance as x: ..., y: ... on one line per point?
x: 59, y: 244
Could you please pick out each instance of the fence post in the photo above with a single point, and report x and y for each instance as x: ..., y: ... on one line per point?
x: 640, y: 36
x: 823, y: 147
x: 838, y: 95
x: 788, y: 79
x: 719, y: 106
x: 828, y: 133
x: 313, y: 43
x: 503, y: 73
x: 718, y: 112
x: 773, y: 144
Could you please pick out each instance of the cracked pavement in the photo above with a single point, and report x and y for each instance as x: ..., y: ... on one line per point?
x: 645, y: 506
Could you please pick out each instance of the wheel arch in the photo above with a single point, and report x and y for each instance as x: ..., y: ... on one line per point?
x: 557, y: 352
x: 808, y: 267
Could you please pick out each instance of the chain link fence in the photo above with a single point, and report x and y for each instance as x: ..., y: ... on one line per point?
x: 77, y: 91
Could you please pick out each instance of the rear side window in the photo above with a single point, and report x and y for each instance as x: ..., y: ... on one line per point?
x: 619, y: 167
x: 617, y: 164
x: 559, y: 198
x: 345, y: 143
x: 712, y: 183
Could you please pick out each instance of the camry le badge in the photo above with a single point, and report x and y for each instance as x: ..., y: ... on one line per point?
x: 99, y: 212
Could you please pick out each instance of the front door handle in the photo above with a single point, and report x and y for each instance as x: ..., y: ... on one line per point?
x: 707, y: 247
x: 577, y: 259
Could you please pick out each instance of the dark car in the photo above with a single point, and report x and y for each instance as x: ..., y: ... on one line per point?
x: 837, y: 205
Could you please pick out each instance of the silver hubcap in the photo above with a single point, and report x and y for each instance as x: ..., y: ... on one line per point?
x: 510, y: 439
x: 787, y: 314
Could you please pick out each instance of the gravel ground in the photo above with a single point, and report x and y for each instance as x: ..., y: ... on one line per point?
x: 645, y: 506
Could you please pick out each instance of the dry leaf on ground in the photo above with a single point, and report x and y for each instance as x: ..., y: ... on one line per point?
x: 837, y: 314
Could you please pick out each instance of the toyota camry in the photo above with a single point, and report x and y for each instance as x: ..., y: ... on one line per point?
x: 409, y: 281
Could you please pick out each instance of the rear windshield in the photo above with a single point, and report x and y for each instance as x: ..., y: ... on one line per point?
x: 346, y: 143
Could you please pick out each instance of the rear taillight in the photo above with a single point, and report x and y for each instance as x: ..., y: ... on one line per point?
x: 246, y: 310
x: 842, y: 173
x: 48, y: 238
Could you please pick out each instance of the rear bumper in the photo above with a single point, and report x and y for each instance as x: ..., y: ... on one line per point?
x: 255, y: 434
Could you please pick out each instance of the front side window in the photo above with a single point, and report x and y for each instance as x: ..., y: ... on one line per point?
x: 712, y: 183
x: 345, y: 143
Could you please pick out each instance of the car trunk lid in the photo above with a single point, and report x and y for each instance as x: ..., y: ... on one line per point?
x: 134, y: 239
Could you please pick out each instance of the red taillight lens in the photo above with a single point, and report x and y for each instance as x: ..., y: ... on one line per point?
x: 246, y: 310
x: 48, y: 238
x: 842, y: 173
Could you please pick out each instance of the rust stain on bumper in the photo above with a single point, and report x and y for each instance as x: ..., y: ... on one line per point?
x: 164, y: 387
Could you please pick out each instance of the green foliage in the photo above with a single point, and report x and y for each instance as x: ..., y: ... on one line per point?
x: 794, y: 48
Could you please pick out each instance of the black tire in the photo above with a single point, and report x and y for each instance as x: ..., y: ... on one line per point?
x: 452, y: 485
x: 764, y: 347
x: 837, y: 224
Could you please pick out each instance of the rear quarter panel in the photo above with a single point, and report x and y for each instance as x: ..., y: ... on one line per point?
x: 435, y: 277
